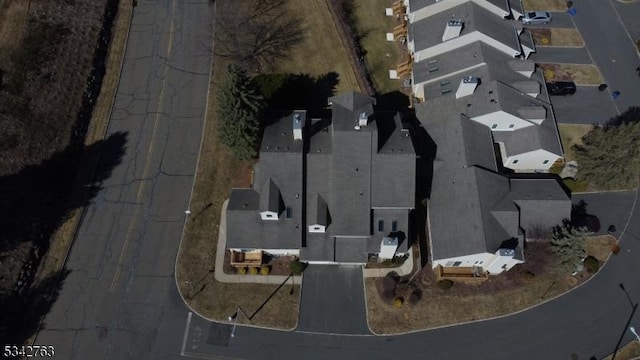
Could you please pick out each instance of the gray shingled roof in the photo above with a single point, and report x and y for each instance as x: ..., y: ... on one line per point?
x: 542, y: 202
x: 270, y: 197
x: 454, y: 192
x: 352, y: 249
x: 416, y: 5
x: 278, y: 135
x: 319, y: 247
x: 428, y: 32
x: 478, y: 60
x: 343, y: 165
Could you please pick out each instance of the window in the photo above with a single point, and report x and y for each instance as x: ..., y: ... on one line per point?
x: 316, y: 228
x: 545, y: 162
x: 380, y: 225
x: 494, y: 126
x: 445, y: 87
x: 288, y: 212
x: 394, y: 226
x: 433, y: 66
x: 457, y: 263
x: 269, y: 215
x: 511, y: 126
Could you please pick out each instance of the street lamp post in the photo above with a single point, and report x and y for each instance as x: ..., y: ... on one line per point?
x: 633, y: 331
x: 234, y: 319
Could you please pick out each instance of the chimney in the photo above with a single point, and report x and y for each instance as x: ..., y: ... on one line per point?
x: 453, y: 29
x: 298, y: 123
x: 363, y: 120
x: 467, y: 86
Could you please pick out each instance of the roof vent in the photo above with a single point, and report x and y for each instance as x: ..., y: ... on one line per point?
x: 363, y: 119
x: 467, y: 86
x: 453, y: 29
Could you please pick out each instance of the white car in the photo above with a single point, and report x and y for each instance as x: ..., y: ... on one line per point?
x: 536, y: 17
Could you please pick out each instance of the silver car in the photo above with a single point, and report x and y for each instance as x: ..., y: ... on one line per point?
x: 536, y: 17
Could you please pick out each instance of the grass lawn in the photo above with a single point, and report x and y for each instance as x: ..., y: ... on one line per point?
x: 572, y: 134
x: 218, y: 171
x: 562, y: 37
x: 544, y: 5
x: 630, y: 351
x: 380, y: 55
x: 321, y: 51
x: 525, y: 285
x: 581, y: 74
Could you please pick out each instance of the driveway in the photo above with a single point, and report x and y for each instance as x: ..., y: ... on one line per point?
x: 587, y: 106
x: 332, y: 300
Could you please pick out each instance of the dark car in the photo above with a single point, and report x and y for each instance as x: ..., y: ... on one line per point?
x: 561, y: 88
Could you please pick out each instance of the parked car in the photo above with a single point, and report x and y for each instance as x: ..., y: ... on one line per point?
x: 561, y: 88
x: 536, y: 17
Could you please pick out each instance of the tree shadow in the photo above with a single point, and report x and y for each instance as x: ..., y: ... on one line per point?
x: 631, y: 115
x: 36, y: 200
x: 581, y: 218
x: 394, y: 100
x: 33, y: 204
x: 298, y: 91
x: 24, y: 311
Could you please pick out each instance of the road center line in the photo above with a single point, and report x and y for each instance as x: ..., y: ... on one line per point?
x: 145, y: 172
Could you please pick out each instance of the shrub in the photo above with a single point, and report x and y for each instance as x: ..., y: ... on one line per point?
x: 615, y: 248
x: 265, y: 270
x: 591, y: 264
x: 445, y: 284
x: 398, y: 301
x: 242, y: 270
x: 415, y: 297
x: 528, y: 276
x: 253, y: 271
x: 297, y: 267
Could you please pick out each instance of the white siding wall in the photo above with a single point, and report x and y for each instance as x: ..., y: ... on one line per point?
x: 444, y: 5
x: 269, y: 215
x: 533, y: 160
x: 481, y: 259
x: 503, y: 120
x: 501, y: 263
x: 279, y: 252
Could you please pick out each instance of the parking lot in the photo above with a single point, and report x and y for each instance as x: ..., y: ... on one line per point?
x: 609, y: 29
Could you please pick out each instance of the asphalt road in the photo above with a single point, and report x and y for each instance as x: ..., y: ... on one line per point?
x: 587, y: 321
x: 611, y: 48
x: 120, y: 300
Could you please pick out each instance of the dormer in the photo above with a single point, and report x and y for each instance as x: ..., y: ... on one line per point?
x: 452, y: 29
x: 467, y: 86
x: 270, y: 201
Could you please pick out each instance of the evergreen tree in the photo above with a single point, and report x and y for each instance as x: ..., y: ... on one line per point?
x: 567, y: 243
x: 610, y: 155
x: 239, y: 112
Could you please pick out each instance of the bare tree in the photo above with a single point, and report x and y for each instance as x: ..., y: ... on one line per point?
x: 257, y: 33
